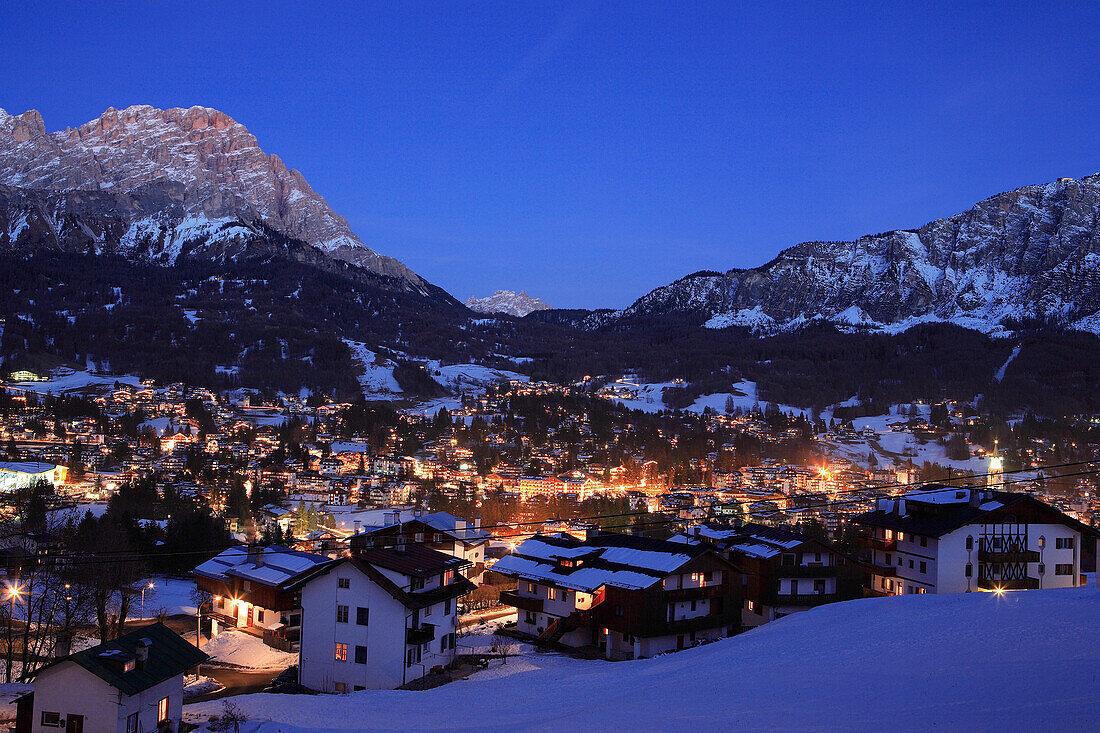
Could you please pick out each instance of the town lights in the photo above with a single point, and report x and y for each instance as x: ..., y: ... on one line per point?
x: 998, y: 591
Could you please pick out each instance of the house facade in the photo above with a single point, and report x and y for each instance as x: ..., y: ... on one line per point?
x: 380, y: 618
x: 440, y: 531
x: 785, y: 572
x: 133, y: 683
x: 248, y: 586
x: 630, y: 597
x: 949, y: 540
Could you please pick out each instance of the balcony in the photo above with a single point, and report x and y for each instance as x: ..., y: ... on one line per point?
x: 805, y: 571
x: 1005, y: 556
x: 421, y: 635
x: 511, y: 598
x: 888, y: 545
x: 696, y: 593
x: 804, y: 599
x: 699, y: 623
x: 1003, y: 584
x: 881, y: 570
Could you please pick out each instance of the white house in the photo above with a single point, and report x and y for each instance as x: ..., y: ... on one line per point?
x: 133, y: 683
x: 379, y: 618
x: 948, y: 540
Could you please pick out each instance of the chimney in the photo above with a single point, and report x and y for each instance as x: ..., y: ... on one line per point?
x: 256, y: 555
x: 400, y: 546
x: 591, y: 533
x: 62, y: 645
x: 357, y: 527
x: 477, y: 522
x: 141, y: 651
x: 389, y: 518
x: 974, y: 498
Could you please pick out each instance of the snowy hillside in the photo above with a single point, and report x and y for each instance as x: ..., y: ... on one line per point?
x: 977, y: 662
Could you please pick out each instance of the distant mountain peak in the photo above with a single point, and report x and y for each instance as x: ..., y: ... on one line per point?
x: 219, y: 163
x: 508, y: 302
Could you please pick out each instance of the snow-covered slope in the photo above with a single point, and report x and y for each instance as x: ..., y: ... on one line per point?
x: 1025, y: 661
x: 218, y: 163
x: 509, y: 302
x: 1029, y: 253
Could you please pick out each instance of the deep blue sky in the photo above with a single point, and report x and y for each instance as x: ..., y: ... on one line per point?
x: 589, y: 152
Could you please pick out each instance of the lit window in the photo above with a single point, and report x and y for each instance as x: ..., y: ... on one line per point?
x: 162, y: 710
x: 341, y: 652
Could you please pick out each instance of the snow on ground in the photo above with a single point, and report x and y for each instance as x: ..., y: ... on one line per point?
x: 244, y: 650
x: 650, y: 395
x: 377, y: 379
x: 430, y: 407
x: 1000, y: 375
x: 75, y: 381
x: 891, y: 446
x: 172, y: 595
x: 195, y: 685
x: 746, y: 397
x: 975, y: 661
x: 8, y: 692
x: 470, y: 377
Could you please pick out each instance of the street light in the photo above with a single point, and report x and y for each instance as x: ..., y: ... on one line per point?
x: 13, y: 593
x: 149, y: 586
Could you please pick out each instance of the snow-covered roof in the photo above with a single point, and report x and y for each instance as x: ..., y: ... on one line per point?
x: 29, y: 467
x: 619, y: 561
x: 277, y: 565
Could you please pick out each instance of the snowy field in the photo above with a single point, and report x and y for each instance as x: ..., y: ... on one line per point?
x: 977, y: 662
x: 890, y: 447
x: 172, y: 595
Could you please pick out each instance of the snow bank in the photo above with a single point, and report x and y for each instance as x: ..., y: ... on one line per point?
x: 1024, y: 661
x: 243, y: 650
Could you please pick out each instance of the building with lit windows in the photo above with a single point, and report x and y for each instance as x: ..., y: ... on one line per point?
x: 950, y: 540
x: 249, y: 589
x: 379, y: 618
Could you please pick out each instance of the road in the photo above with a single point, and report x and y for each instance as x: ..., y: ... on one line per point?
x: 236, y: 681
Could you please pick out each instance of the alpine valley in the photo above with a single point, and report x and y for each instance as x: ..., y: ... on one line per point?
x: 168, y: 244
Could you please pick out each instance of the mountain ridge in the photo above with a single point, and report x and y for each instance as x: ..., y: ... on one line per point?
x: 508, y: 302
x: 1030, y: 253
x: 223, y: 170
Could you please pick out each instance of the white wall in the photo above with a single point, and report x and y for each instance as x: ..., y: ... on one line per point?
x: 384, y: 635
x: 69, y: 688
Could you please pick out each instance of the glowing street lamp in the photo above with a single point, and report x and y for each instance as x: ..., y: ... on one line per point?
x: 148, y: 586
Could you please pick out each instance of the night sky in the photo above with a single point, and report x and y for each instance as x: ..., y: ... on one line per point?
x: 589, y: 152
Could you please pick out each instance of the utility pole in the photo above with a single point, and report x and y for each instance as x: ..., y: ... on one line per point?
x: 150, y: 586
x: 13, y: 593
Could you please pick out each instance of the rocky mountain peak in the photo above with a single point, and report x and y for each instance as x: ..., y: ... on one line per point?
x: 1031, y: 253
x: 508, y: 302
x: 223, y: 171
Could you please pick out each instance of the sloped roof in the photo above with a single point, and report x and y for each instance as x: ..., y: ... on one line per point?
x: 411, y: 599
x: 169, y: 655
x: 622, y: 561
x: 938, y: 510
x: 278, y: 566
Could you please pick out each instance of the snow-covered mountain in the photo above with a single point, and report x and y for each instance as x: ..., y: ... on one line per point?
x: 1029, y: 253
x: 509, y: 302
x: 177, y: 175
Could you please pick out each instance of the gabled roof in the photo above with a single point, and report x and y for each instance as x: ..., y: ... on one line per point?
x: 169, y: 655
x: 937, y: 510
x: 623, y: 561
x: 278, y: 565
x: 415, y: 560
x: 410, y: 599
